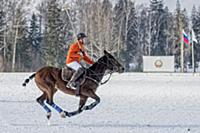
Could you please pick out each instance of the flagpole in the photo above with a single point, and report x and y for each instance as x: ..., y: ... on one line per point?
x: 182, y: 52
x: 182, y: 45
x: 193, y: 65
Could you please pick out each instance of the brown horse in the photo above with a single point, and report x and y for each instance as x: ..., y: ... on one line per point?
x: 49, y: 80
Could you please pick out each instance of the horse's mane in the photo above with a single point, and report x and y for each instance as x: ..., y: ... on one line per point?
x: 101, y: 59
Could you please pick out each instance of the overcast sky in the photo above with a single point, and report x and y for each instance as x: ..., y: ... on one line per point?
x: 188, y: 4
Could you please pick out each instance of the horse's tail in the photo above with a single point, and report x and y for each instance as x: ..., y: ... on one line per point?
x: 28, y: 79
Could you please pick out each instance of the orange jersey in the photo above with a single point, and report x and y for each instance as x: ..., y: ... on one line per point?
x: 77, y: 53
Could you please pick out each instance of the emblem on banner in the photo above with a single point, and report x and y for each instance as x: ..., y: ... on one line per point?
x: 158, y: 63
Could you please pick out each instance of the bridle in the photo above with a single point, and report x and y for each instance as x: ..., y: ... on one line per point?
x: 110, y: 72
x: 114, y: 69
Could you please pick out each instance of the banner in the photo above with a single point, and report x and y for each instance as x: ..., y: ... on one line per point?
x: 158, y: 63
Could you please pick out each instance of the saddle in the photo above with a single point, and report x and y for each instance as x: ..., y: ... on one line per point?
x: 67, y: 73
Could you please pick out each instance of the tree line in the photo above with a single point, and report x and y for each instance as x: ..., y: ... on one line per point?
x: 34, y: 37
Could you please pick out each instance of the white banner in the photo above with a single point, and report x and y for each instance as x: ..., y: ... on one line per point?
x: 158, y: 63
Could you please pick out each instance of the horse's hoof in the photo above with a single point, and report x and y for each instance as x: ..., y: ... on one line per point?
x: 63, y: 114
x: 48, y: 115
x: 85, y: 108
x: 70, y: 114
x: 67, y: 114
x: 73, y: 113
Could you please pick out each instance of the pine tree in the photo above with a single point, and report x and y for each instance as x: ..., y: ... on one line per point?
x: 143, y: 31
x: 17, y: 34
x: 22, y: 47
x: 165, y: 34
x: 125, y: 33
x: 181, y: 23
x: 196, y: 28
x: 8, y: 10
x: 107, y: 23
x: 2, y: 34
x: 54, y: 35
x: 177, y: 33
x: 158, y: 20
x: 35, y: 39
x: 118, y: 27
x: 143, y: 36
x: 169, y: 32
x: 132, y: 46
x: 2, y: 26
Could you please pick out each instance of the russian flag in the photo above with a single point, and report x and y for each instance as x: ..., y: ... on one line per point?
x: 185, y: 37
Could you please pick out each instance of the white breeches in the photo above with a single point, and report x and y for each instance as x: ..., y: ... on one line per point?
x: 74, y: 65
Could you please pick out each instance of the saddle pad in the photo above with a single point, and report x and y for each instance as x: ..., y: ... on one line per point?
x: 66, y: 73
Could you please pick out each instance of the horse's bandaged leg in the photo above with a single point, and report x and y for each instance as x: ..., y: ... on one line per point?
x: 57, y: 108
x: 45, y: 107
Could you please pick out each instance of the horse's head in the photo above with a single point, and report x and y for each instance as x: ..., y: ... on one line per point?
x: 112, y: 63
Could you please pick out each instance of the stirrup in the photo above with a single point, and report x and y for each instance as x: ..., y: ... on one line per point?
x: 71, y: 85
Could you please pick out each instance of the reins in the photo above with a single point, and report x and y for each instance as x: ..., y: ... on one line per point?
x: 102, y: 83
x: 96, y: 74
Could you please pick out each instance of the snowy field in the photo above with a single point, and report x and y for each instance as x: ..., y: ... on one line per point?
x: 130, y: 103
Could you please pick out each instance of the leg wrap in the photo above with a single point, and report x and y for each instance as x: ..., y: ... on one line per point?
x: 56, y: 107
x: 45, y: 107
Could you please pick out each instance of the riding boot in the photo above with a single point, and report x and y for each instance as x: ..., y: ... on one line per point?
x: 72, y: 83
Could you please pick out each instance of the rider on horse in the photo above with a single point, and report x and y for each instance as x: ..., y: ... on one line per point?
x: 75, y: 54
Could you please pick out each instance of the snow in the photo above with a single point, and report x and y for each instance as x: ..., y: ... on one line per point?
x: 130, y: 103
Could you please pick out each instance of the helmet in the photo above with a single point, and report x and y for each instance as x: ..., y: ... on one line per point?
x: 81, y: 35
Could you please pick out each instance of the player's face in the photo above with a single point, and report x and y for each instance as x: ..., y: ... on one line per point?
x: 81, y: 40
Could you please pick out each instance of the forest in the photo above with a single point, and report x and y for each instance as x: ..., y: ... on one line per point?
x: 35, y: 36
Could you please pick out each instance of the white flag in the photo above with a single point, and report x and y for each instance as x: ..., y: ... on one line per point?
x: 194, y: 37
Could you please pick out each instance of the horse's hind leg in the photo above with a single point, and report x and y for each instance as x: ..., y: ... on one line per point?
x: 44, y: 88
x: 63, y: 113
x: 40, y: 100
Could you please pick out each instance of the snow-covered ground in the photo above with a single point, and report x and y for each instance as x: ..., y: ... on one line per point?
x: 130, y: 103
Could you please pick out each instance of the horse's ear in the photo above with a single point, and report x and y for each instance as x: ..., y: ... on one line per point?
x: 105, y: 52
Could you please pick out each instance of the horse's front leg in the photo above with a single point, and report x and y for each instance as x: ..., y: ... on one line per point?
x: 95, y: 97
x: 82, y: 102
